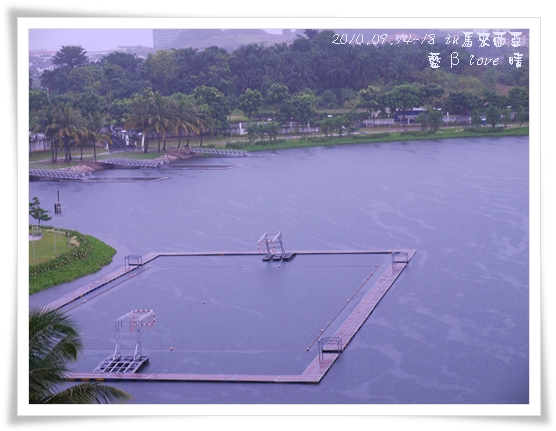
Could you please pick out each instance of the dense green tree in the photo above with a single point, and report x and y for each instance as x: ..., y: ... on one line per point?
x: 128, y: 62
x: 277, y: 94
x: 518, y: 96
x: 55, y: 80
x: 250, y: 102
x: 70, y: 56
x: 300, y: 107
x: 252, y: 130
x: 89, y: 102
x: 368, y: 99
x: 113, y: 76
x: 506, y: 115
x: 54, y: 343
x: 214, y: 105
x: 521, y: 115
x: 327, y: 99
x: 431, y: 118
x: 461, y: 102
x: 272, y: 129
x: 323, y: 39
x: 161, y: 69
x: 327, y: 126
x: 82, y: 78
x: 430, y: 93
x: 404, y: 97
x: 491, y: 97
x: 311, y: 34
x: 301, y: 45
x: 121, y: 109
x: 492, y: 114
x: 38, y: 100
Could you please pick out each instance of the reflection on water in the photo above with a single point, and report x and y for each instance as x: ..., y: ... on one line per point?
x: 453, y: 328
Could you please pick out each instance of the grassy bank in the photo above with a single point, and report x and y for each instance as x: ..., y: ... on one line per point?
x: 86, y: 255
x: 381, y: 137
x: 374, y: 135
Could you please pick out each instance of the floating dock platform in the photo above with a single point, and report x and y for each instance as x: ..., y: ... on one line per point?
x: 330, y: 348
x: 122, y: 365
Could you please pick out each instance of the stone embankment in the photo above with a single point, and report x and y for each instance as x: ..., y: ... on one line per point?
x: 85, y: 167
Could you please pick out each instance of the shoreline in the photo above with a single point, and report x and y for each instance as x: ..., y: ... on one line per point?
x: 398, y: 136
x: 306, y: 141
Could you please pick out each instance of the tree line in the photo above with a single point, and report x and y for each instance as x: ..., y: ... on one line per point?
x: 185, y: 92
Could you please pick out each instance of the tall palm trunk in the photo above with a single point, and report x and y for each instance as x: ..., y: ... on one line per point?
x: 146, y: 149
x: 68, y: 151
x: 52, y: 148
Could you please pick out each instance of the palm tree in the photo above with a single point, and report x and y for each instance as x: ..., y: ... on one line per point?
x: 160, y: 118
x: 338, y: 74
x: 45, y: 123
x: 184, y: 117
x: 68, y: 125
x: 302, y: 74
x: 93, y: 127
x: 53, y: 344
x: 203, y: 121
x: 139, y: 118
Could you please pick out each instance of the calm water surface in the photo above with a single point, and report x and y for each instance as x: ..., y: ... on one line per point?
x: 453, y: 328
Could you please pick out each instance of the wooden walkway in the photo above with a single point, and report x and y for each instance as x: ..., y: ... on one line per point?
x: 121, y: 272
x: 316, y: 369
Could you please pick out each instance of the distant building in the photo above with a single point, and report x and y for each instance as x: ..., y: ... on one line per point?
x: 162, y: 38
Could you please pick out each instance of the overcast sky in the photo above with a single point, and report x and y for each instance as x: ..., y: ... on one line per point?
x: 90, y: 39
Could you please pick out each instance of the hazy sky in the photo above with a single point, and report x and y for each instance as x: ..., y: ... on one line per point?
x: 91, y: 39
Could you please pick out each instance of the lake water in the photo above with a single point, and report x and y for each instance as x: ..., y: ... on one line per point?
x: 454, y: 328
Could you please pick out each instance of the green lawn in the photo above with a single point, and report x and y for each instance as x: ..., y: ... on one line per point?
x: 82, y: 256
x: 45, y: 249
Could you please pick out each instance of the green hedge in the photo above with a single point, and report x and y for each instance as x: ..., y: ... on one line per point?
x: 236, y: 145
x: 89, y: 257
x: 418, y: 133
x: 379, y: 135
x: 484, y: 130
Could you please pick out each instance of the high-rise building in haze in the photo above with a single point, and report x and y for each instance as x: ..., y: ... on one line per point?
x: 162, y: 38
